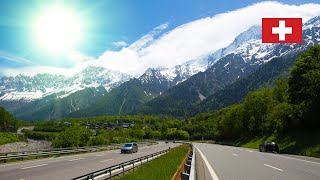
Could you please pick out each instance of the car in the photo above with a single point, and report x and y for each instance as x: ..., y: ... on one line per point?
x: 129, y: 148
x: 167, y: 141
x: 269, y: 147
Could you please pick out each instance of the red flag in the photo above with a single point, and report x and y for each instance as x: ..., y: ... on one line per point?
x: 281, y: 30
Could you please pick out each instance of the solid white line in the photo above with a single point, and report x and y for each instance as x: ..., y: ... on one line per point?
x: 106, y: 160
x: 235, y: 154
x: 34, y: 166
x: 273, y: 167
x: 211, y: 171
x: 76, y: 159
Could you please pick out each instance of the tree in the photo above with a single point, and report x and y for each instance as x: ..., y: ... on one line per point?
x: 304, y: 87
x: 73, y: 136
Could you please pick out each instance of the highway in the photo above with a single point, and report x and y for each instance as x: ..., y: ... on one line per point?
x: 234, y: 163
x: 66, y: 167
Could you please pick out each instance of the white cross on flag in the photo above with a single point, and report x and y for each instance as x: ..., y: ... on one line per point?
x: 281, y: 30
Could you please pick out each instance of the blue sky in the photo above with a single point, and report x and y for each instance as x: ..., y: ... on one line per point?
x: 106, y: 22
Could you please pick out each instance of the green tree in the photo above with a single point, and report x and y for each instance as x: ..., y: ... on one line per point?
x: 73, y: 136
x: 304, y: 87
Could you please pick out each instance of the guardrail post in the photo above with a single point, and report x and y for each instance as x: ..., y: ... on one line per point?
x: 92, y: 177
x: 133, y: 165
x: 184, y: 176
x: 140, y: 161
x: 122, y: 168
x: 147, y: 158
x: 110, y: 173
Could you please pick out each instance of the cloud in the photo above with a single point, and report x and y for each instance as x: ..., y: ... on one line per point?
x: 193, y: 39
x: 14, y: 58
x: 197, y: 38
x: 120, y: 44
x: 147, y: 39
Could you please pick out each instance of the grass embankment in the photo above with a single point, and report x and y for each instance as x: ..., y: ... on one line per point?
x: 305, y: 144
x: 7, y: 137
x: 160, y: 168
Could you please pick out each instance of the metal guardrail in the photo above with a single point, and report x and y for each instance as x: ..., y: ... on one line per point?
x: 189, y: 166
x: 116, y: 170
x: 18, y: 155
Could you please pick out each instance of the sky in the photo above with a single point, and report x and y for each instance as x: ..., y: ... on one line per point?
x: 125, y: 35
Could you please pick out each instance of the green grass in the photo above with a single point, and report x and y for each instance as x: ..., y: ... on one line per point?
x: 7, y: 137
x: 303, y: 143
x: 160, y: 168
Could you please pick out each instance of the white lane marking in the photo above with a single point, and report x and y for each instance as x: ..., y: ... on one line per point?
x: 34, y: 166
x: 249, y: 151
x: 100, y: 155
x: 106, y: 160
x: 211, y: 171
x: 273, y: 167
x: 235, y: 154
x: 241, y: 149
x: 297, y: 159
x: 76, y: 159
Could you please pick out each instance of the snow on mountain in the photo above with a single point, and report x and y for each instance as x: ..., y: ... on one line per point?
x: 28, y: 88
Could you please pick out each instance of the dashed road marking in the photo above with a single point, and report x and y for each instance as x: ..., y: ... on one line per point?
x: 273, y: 167
x: 29, y: 167
x: 235, y: 154
x: 106, y: 160
x: 76, y: 159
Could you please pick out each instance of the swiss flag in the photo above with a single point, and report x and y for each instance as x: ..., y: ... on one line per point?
x: 281, y: 30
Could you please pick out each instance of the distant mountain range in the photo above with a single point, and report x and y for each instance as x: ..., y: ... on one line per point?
x: 185, y: 89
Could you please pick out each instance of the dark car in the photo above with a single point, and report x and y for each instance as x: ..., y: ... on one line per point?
x: 129, y: 148
x: 269, y: 147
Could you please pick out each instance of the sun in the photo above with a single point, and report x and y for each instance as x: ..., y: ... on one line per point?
x: 57, y: 29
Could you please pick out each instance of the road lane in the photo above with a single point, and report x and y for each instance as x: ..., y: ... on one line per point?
x: 242, y: 163
x: 67, y: 167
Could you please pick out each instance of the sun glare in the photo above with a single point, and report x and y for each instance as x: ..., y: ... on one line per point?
x: 58, y: 29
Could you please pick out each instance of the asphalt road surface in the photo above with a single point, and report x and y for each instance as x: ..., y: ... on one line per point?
x: 229, y: 163
x: 66, y: 167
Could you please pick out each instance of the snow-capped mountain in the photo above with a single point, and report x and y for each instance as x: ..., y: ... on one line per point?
x: 26, y: 88
x: 240, y: 59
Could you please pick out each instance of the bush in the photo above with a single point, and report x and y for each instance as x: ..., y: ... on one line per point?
x: 7, y: 138
x: 38, y: 135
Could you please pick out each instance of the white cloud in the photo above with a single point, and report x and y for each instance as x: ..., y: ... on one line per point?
x: 194, y: 39
x: 120, y: 44
x: 200, y: 37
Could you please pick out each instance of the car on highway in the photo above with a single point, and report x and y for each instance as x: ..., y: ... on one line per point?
x: 129, y: 148
x: 269, y: 147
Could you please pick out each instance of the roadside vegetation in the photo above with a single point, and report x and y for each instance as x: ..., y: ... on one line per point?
x: 7, y: 137
x: 160, y: 168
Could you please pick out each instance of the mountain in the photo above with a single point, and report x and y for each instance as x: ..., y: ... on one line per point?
x: 129, y: 95
x: 27, y: 97
x: 249, y: 56
x: 155, y: 81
